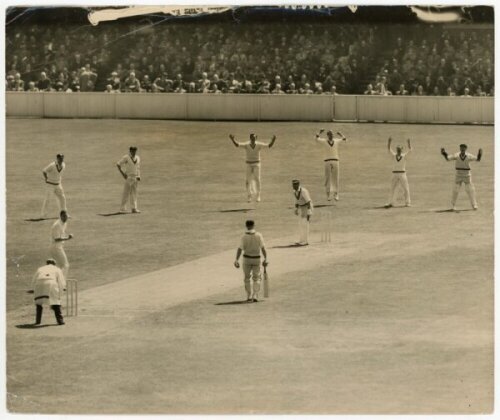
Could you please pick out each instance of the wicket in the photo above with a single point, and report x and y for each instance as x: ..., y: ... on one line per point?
x: 71, y: 297
x: 326, y: 227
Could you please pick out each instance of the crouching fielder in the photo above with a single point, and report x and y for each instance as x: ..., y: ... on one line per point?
x: 399, y: 173
x: 303, y: 209
x: 252, y: 244
x: 463, y: 173
x: 48, y: 285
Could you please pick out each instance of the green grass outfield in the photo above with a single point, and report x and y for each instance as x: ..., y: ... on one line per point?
x: 403, y: 325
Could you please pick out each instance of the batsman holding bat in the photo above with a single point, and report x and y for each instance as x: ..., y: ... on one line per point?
x: 251, y: 246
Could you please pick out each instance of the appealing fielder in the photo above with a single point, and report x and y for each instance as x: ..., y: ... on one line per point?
x: 48, y: 285
x: 331, y: 159
x: 252, y: 149
x: 58, y: 237
x: 463, y: 173
x: 399, y: 172
x: 303, y: 209
x: 252, y: 244
x: 52, y: 174
x: 130, y: 168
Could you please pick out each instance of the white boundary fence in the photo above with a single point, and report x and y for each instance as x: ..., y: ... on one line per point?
x: 252, y: 107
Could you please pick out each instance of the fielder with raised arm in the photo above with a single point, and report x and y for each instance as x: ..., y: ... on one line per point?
x: 252, y: 149
x: 251, y: 245
x: 463, y: 173
x: 331, y: 159
x: 399, y: 172
x: 52, y: 174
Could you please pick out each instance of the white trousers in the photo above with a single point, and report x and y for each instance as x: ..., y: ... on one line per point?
x: 303, y: 230
x: 399, y: 178
x: 57, y: 252
x: 129, y: 193
x: 253, y: 177
x: 332, y: 176
x: 58, y: 191
x: 469, y: 188
x: 251, y: 270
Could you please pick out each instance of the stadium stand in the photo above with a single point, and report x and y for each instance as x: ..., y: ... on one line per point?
x: 264, y: 57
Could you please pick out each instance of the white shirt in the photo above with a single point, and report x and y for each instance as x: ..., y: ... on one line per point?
x: 331, y: 150
x: 58, y: 231
x: 130, y: 167
x: 399, y: 163
x: 462, y: 162
x: 54, y: 172
x: 251, y: 243
x: 302, y: 196
x: 47, y: 272
x: 253, y: 153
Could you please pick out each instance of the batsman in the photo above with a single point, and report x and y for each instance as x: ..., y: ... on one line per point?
x: 251, y: 246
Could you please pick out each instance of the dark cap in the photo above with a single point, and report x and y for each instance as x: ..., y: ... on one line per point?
x: 60, y: 155
x: 51, y: 261
x: 295, y: 181
x: 249, y: 224
x: 132, y: 148
x: 463, y: 145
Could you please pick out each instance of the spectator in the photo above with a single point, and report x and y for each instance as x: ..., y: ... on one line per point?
x: 18, y: 83
x: 32, y: 87
x: 131, y: 83
x: 369, y: 90
x: 146, y: 84
x: 114, y: 81
x: 87, y: 79
x: 277, y: 89
x: 43, y: 84
x: 466, y: 93
x: 402, y: 90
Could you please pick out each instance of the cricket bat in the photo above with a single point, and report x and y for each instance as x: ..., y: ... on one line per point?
x: 266, y: 283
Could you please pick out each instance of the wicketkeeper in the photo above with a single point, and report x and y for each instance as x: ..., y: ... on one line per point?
x: 252, y: 244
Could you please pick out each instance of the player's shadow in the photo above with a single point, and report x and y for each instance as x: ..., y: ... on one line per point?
x: 116, y: 213
x: 318, y: 206
x: 446, y: 211
x: 235, y: 211
x: 288, y: 246
x: 234, y: 302
x: 40, y: 219
x: 34, y: 326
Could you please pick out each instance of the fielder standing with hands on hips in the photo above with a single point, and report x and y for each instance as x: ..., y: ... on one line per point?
x: 252, y: 244
x: 463, y: 173
x: 303, y: 209
x: 52, y: 174
x: 130, y: 168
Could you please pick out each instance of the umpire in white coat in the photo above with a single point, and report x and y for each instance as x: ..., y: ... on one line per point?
x: 48, y: 285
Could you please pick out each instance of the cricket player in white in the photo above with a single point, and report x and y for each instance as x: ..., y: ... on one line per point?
x: 463, y: 173
x: 58, y: 237
x: 48, y: 285
x: 252, y: 244
x: 52, y: 174
x: 303, y: 209
x: 130, y: 168
x: 331, y: 159
x: 399, y: 173
x: 252, y: 149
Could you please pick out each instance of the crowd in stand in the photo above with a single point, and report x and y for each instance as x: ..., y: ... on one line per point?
x: 272, y: 58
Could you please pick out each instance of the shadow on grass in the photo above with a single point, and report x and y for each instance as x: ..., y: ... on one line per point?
x: 34, y: 326
x: 446, y: 211
x: 318, y: 206
x: 40, y: 219
x: 235, y: 210
x: 117, y: 213
x: 288, y: 246
x: 234, y: 302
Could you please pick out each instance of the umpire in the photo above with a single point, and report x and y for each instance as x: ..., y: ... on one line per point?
x: 252, y: 244
x: 48, y: 285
